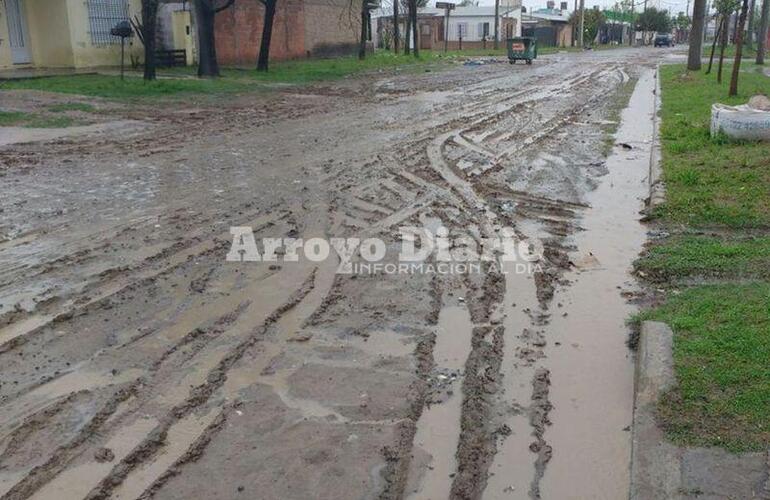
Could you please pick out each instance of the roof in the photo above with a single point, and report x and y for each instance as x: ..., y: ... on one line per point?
x: 550, y: 15
x: 483, y: 11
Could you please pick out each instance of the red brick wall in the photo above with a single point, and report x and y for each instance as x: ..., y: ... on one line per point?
x: 239, y: 32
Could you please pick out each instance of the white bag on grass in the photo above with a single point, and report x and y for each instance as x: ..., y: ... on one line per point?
x: 740, y: 122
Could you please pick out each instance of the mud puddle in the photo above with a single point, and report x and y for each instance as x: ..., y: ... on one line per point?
x: 591, y: 369
x: 438, y: 429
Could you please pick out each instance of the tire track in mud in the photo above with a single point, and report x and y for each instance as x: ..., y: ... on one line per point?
x: 416, y: 178
x: 478, y: 444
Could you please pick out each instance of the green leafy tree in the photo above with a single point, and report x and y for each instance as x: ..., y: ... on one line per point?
x: 593, y: 18
x: 654, y: 20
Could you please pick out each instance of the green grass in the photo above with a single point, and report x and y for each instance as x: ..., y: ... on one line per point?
x: 31, y: 120
x: 11, y: 118
x: 710, y: 181
x: 711, y: 257
x: 182, y: 81
x: 722, y: 329
x: 721, y: 359
x: 729, y: 52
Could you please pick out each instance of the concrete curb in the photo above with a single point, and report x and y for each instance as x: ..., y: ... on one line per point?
x: 660, y: 469
x: 657, y: 188
x: 655, y: 464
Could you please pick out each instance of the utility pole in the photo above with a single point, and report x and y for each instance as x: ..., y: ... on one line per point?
x: 574, y: 28
x: 581, y: 28
x: 448, y: 7
x: 497, y: 24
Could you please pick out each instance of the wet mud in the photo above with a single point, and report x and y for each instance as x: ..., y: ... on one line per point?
x: 135, y: 362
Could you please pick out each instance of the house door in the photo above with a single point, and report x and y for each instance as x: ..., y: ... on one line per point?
x: 426, y: 39
x: 17, y: 32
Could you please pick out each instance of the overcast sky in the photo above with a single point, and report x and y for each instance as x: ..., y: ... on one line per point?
x: 675, y: 5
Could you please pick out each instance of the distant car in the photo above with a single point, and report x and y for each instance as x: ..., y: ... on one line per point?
x: 664, y: 39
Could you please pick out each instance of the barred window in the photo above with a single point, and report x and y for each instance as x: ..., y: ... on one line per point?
x: 103, y: 15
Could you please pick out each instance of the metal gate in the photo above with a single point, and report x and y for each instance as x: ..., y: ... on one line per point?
x: 17, y: 32
x: 546, y: 35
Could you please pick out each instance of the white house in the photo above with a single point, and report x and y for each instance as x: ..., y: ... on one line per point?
x: 476, y: 24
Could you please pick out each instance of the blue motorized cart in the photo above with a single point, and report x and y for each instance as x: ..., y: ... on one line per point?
x: 522, y: 48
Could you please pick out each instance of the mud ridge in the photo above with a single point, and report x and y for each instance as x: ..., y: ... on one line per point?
x: 41, y: 474
x: 538, y: 419
x: 198, y: 396
x: 478, y: 442
x: 193, y: 453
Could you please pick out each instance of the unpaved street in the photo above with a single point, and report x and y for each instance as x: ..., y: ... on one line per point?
x: 135, y: 362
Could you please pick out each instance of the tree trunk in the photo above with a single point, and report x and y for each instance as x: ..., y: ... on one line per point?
x: 407, y: 27
x: 750, y: 29
x: 395, y: 27
x: 762, y: 42
x: 735, y: 27
x: 149, y: 18
x: 738, y: 49
x: 207, y: 53
x: 267, y: 35
x: 415, y: 31
x: 364, y: 20
x: 722, y: 45
x: 714, y: 46
x: 696, y: 36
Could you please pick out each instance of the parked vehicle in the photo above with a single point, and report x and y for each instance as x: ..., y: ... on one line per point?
x: 664, y: 40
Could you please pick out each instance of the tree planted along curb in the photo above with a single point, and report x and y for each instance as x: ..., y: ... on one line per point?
x: 205, y: 15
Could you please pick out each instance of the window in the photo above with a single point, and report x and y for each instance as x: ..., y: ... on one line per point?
x: 103, y: 15
x: 483, y: 30
x: 462, y: 30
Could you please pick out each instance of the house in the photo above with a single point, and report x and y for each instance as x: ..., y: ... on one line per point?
x: 63, y: 33
x: 301, y: 28
x: 550, y: 26
x: 468, y: 28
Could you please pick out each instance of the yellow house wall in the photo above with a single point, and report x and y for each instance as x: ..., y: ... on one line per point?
x: 59, y: 36
x: 85, y: 53
x: 5, y: 48
x: 49, y: 39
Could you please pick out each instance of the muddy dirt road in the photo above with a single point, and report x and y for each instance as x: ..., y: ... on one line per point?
x: 135, y: 362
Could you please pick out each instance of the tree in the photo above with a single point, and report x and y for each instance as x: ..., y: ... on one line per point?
x: 750, y: 29
x: 592, y: 19
x: 267, y: 34
x: 654, y: 20
x: 415, y: 32
x: 682, y: 25
x: 724, y: 10
x: 696, y: 36
x: 717, y: 35
x: 762, y: 42
x: 738, y: 49
x: 395, y: 26
x: 205, y: 14
x: 145, y: 29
